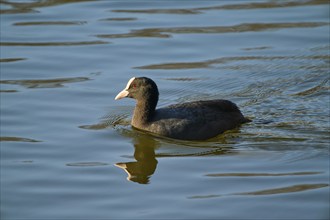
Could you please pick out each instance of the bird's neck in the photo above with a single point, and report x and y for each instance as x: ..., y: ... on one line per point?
x: 143, y: 113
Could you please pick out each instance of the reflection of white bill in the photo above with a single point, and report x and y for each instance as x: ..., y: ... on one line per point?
x: 124, y: 167
x: 139, y: 171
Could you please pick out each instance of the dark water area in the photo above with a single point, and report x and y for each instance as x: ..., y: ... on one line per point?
x: 68, y: 150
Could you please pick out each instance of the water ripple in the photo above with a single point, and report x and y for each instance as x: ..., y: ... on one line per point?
x: 260, y: 174
x: 223, y: 60
x: 118, y: 19
x: 319, y: 88
x: 7, y: 60
x: 86, y: 164
x: 28, y: 7
x: 288, y: 189
x: 45, y: 44
x: 159, y: 11
x: 242, y: 6
x: 111, y: 121
x: 44, y: 83
x: 244, y: 27
x: 50, y: 23
x: 18, y: 139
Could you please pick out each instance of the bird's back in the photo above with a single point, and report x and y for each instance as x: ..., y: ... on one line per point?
x: 195, y: 120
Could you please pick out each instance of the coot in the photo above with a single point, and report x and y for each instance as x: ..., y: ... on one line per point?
x: 198, y: 120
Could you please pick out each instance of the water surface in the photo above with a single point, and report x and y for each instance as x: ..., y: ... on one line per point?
x: 68, y: 150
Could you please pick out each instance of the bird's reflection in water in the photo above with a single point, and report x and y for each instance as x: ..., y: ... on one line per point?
x: 140, y: 171
x: 145, y: 165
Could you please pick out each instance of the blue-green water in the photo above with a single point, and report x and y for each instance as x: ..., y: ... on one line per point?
x: 66, y: 144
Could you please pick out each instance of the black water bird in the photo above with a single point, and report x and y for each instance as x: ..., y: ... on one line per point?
x: 197, y: 120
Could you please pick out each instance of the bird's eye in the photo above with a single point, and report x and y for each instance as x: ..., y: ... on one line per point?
x: 134, y: 85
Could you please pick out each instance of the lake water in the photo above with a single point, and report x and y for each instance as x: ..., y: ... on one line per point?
x: 68, y: 150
